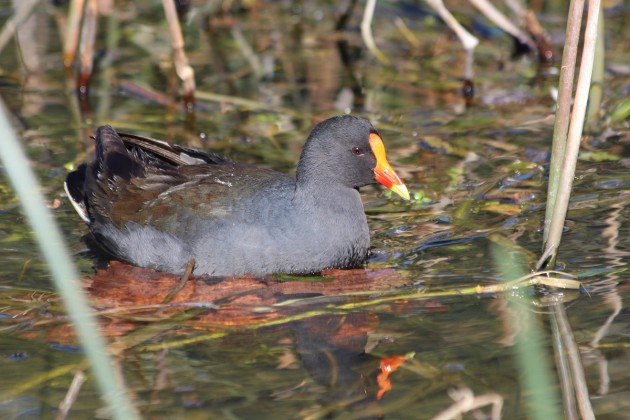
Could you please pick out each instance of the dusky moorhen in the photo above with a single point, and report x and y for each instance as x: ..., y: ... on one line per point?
x: 157, y: 205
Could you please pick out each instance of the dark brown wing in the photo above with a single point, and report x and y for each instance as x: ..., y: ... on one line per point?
x: 147, y: 147
x: 175, y: 200
x: 151, y: 182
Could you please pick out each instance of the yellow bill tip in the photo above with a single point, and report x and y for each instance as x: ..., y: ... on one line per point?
x: 401, y: 190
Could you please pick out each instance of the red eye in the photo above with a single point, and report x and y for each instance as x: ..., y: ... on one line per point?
x: 357, y: 151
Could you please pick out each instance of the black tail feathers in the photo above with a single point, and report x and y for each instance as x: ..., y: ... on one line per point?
x: 112, y: 156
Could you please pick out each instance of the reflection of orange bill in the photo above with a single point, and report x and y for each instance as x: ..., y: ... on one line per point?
x: 384, y: 173
x: 388, y: 366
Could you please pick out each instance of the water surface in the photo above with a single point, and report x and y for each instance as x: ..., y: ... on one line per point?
x: 476, y: 174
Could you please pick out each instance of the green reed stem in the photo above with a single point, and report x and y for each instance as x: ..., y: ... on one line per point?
x: 563, y: 112
x: 103, y: 108
x: 597, y: 81
x: 64, y: 272
x: 534, y: 365
x: 574, y: 136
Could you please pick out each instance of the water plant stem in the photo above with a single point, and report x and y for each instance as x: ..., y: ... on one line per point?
x: 534, y: 366
x: 22, y: 12
x: 64, y: 273
x: 366, y: 32
x: 563, y: 110
x: 71, y: 41
x: 564, y: 372
x: 495, y: 16
x: 86, y: 46
x: 103, y: 108
x: 597, y: 81
x: 575, y: 363
x: 71, y: 396
x: 468, y: 40
x: 574, y: 135
x: 182, y: 68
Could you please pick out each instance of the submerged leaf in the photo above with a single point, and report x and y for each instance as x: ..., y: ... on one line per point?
x: 621, y: 112
x: 598, y: 157
x: 496, y: 207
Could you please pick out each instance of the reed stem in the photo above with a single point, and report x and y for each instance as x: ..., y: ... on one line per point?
x: 563, y: 111
x: 22, y: 12
x: 574, y: 136
x: 63, y: 270
x: 534, y: 365
x: 597, y: 82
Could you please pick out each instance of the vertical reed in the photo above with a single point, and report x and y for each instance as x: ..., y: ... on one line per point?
x: 64, y: 273
x: 565, y: 152
x: 597, y: 82
x: 534, y: 365
x: 563, y: 111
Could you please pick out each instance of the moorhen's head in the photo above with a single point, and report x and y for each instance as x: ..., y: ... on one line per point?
x: 349, y: 151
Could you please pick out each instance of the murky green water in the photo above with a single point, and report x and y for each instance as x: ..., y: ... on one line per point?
x: 475, y: 173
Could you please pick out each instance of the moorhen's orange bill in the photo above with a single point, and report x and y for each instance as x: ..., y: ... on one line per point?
x: 157, y: 205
